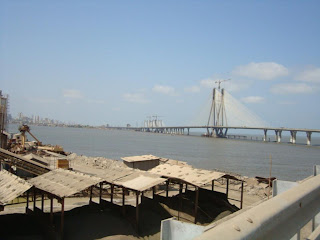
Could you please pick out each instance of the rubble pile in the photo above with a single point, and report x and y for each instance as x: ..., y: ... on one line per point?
x: 97, y: 162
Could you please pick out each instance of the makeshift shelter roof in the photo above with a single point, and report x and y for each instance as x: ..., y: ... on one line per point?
x: 142, y: 183
x: 11, y: 187
x: 140, y: 158
x: 173, y: 162
x: 194, y: 176
x: 64, y: 183
x: 124, y: 177
x: 131, y: 178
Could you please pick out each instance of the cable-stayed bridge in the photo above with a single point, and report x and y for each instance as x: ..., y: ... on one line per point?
x: 222, y: 113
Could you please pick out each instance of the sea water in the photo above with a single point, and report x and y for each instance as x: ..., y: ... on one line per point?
x: 246, y: 157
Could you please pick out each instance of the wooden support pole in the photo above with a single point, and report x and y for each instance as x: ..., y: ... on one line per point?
x: 51, y: 210
x: 137, y: 210
x: 112, y: 189
x: 34, y: 199
x: 167, y: 188
x: 42, y: 202
x: 196, y: 205
x: 186, y: 187
x: 62, y: 218
x: 27, y: 207
x: 90, y: 201
x: 241, y: 201
x: 212, y: 185
x: 153, y: 192
x: 100, y: 193
x: 227, y: 191
x: 180, y: 199
x: 123, y: 202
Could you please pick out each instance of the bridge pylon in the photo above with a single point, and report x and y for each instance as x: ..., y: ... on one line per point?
x: 217, y: 115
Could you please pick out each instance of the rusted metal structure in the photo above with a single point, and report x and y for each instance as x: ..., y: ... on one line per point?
x: 28, y: 165
x: 11, y: 187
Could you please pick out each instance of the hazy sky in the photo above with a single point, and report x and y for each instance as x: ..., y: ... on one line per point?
x: 116, y: 62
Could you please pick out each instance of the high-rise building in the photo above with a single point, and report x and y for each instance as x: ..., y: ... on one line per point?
x: 4, y: 106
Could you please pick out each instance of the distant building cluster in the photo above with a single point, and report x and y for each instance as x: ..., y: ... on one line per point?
x: 21, y: 118
x: 40, y: 121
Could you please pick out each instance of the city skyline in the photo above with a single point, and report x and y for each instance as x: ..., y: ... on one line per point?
x: 117, y: 63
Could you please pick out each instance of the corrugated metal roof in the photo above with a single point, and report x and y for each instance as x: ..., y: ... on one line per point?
x: 64, y: 183
x: 131, y: 178
x: 11, y: 187
x: 37, y: 158
x: 142, y: 183
x: 127, y: 177
x: 140, y: 158
x: 173, y: 162
x: 194, y: 176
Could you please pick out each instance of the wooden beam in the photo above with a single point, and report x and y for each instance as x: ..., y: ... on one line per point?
x: 241, y: 201
x: 123, y: 202
x: 153, y: 192
x: 112, y: 189
x: 90, y: 201
x: 212, y: 185
x: 42, y: 202
x: 167, y: 188
x: 100, y: 193
x: 196, y: 202
x: 227, y: 191
x: 34, y: 199
x: 27, y: 207
x: 137, y: 210
x: 62, y: 218
x: 142, y: 195
x: 51, y: 210
x: 180, y: 199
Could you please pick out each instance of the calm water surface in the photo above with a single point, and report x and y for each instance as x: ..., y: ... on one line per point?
x: 249, y: 158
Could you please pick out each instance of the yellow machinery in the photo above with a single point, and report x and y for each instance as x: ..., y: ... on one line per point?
x: 25, y: 128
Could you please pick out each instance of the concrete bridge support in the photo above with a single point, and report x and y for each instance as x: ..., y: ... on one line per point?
x: 188, y: 131
x: 220, y: 132
x: 309, y: 138
x: 278, y: 135
x: 265, y: 135
x: 293, y: 137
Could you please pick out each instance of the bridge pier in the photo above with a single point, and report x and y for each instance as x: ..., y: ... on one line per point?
x: 309, y: 138
x: 293, y: 136
x: 265, y: 135
x: 219, y: 133
x: 278, y: 135
x: 188, y: 131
